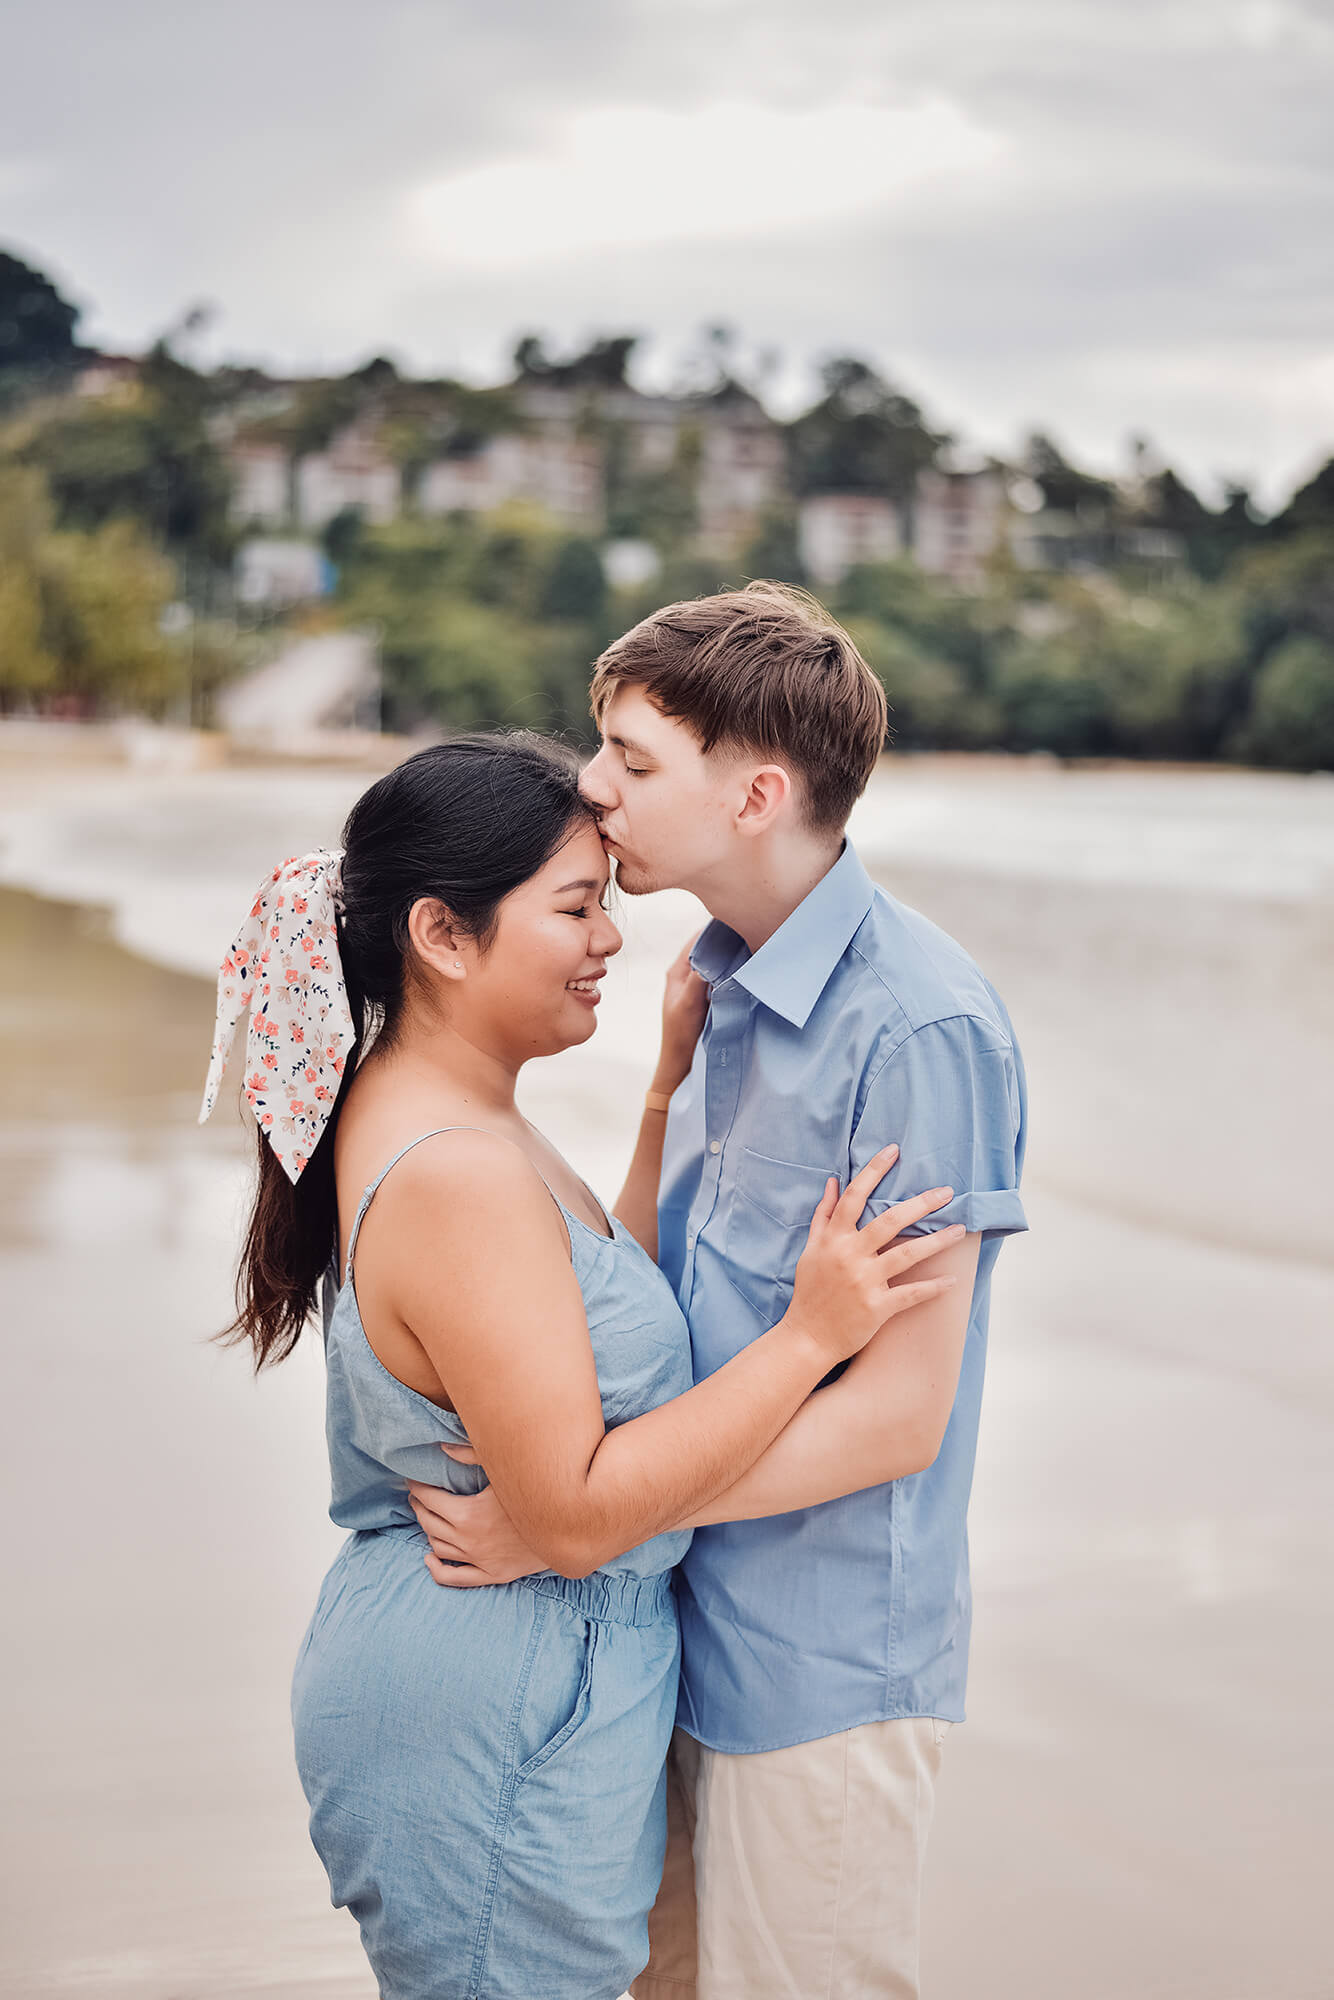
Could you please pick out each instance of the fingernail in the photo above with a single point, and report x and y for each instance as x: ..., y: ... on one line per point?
x: 890, y: 1152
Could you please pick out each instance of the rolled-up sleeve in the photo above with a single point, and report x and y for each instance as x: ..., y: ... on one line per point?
x: 951, y: 1096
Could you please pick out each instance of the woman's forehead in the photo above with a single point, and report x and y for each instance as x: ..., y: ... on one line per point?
x: 579, y: 863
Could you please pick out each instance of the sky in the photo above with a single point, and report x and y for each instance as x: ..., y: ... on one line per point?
x: 1098, y: 217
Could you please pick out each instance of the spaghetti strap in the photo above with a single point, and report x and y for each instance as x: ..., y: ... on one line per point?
x: 421, y: 1138
x: 369, y: 1195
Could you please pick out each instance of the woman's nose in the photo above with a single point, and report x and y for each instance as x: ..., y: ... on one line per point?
x: 610, y: 939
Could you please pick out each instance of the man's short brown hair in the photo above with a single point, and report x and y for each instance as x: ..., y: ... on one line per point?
x: 763, y: 669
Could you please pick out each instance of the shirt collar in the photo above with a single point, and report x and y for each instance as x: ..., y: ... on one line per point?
x: 791, y: 969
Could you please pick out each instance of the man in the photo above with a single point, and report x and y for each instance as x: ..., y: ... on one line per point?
x: 825, y: 1602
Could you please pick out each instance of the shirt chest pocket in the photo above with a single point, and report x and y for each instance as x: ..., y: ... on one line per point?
x: 770, y: 1218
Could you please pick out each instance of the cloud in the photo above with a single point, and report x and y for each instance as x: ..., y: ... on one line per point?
x: 637, y: 178
x: 1102, y: 216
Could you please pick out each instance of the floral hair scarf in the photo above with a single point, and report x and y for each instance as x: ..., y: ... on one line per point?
x: 284, y: 966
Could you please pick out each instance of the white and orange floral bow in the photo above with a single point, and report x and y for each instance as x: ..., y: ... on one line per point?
x: 284, y: 966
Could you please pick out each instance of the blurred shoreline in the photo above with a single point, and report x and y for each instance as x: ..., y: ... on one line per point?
x: 1163, y: 937
x: 1149, y: 1738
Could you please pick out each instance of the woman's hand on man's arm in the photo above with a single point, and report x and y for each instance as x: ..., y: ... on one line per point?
x: 885, y: 1417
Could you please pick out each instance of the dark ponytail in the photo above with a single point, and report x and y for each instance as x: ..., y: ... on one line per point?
x: 466, y: 822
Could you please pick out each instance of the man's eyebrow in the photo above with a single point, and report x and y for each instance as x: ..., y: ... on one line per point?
x: 635, y: 749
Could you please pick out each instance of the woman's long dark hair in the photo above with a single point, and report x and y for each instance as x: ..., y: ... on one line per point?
x: 466, y: 822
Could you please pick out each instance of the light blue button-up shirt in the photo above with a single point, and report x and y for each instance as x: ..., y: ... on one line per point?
x: 857, y: 1023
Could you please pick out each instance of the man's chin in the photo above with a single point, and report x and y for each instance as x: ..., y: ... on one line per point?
x: 632, y: 880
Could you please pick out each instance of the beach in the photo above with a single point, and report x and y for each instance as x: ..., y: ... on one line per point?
x: 1139, y: 1802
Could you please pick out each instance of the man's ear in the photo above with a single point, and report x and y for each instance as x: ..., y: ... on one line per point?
x: 768, y: 789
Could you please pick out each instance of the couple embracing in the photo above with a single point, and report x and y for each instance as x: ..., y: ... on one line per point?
x: 657, y: 1512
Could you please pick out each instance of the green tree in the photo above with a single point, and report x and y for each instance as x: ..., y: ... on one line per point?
x: 775, y: 551
x: 603, y: 364
x: 463, y: 665
x: 28, y: 667
x: 1063, y: 485
x: 153, y: 460
x: 575, y: 585
x: 80, y: 614
x: 659, y: 506
x: 1050, y: 699
x: 344, y: 534
x: 1287, y: 588
x: 941, y: 621
x: 931, y: 706
x: 1291, y: 720
x: 483, y: 622
x: 1311, y: 506
x: 863, y: 436
x: 106, y: 595
x: 37, y: 345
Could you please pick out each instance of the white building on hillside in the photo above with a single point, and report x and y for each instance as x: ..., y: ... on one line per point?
x: 272, y: 571
x: 475, y: 482
x: 735, y: 447
x: 560, y: 474
x: 260, y: 483
x: 742, y: 470
x: 836, y: 531
x: 960, y: 519
x: 354, y: 470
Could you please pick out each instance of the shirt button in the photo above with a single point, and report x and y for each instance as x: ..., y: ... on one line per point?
x: 714, y: 1146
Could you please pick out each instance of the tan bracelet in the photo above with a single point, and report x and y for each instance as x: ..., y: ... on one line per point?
x: 658, y: 1100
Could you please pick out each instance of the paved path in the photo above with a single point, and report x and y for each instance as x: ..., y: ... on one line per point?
x: 329, y: 681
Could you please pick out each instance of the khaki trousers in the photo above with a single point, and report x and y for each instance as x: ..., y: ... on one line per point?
x: 795, y: 1874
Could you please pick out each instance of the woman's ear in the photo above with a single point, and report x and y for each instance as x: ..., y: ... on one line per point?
x: 435, y: 937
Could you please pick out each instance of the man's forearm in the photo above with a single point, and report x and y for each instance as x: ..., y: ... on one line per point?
x: 829, y: 1449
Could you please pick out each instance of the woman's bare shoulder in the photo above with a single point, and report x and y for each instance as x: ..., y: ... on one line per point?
x: 465, y: 1178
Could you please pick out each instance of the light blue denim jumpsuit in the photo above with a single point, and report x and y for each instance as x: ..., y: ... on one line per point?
x: 485, y: 1767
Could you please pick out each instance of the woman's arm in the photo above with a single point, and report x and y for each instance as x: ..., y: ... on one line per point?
x: 685, y: 1004
x: 637, y: 1203
x: 481, y: 1277
x: 883, y: 1419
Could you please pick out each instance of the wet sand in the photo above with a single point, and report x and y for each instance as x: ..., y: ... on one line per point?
x: 1140, y: 1800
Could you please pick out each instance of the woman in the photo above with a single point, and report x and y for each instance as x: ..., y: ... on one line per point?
x: 485, y: 1768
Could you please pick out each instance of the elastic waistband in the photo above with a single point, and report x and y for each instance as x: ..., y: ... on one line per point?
x: 613, y: 1597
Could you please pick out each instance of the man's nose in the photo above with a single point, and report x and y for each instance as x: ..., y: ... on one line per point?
x: 593, y: 784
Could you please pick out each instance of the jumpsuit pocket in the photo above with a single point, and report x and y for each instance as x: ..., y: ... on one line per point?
x: 576, y: 1715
